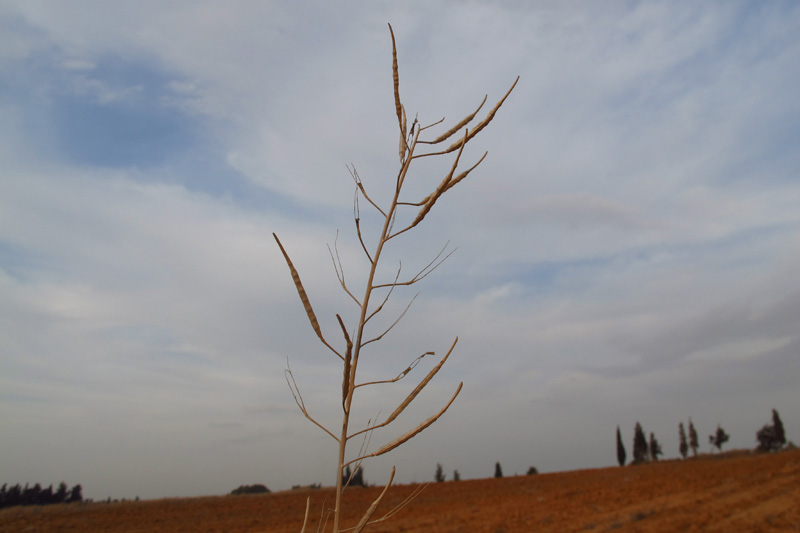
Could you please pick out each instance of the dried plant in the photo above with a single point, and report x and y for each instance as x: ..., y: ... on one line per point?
x: 377, y: 293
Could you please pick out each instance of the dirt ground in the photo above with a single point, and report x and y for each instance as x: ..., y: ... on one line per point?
x: 738, y: 491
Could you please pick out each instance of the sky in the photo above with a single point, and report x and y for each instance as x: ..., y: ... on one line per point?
x: 628, y: 251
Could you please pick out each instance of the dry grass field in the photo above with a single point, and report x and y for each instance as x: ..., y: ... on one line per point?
x: 737, y: 491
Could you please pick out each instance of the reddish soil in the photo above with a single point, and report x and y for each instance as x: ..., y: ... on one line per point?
x: 735, y: 492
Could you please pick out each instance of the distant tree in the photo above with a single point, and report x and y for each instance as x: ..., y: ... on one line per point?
x: 654, y: 448
x: 621, y: 455
x: 693, y: 443
x: 75, y: 495
x: 61, y: 493
x: 780, y: 435
x: 771, y: 438
x: 719, y: 438
x: 46, y: 496
x: 12, y: 496
x: 346, y: 476
x: 31, y: 495
x: 639, y: 445
x: 684, y: 447
x: 358, y: 477
x: 532, y: 471
x: 456, y: 476
x: 498, y: 470
x: 439, y: 476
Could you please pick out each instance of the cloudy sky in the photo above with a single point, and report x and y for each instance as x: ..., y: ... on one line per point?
x: 628, y: 251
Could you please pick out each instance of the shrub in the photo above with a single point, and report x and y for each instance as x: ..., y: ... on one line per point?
x: 250, y: 489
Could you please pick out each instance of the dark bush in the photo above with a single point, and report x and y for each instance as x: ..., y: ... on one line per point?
x: 250, y: 489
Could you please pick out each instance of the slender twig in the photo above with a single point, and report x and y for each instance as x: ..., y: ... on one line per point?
x: 298, y: 398
x: 449, y: 133
x: 361, y: 188
x: 388, y: 294
x: 422, y: 274
x: 339, y: 269
x: 393, y: 324
x: 399, y: 376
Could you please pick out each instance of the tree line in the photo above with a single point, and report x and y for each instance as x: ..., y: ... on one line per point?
x: 36, y: 495
x: 771, y: 437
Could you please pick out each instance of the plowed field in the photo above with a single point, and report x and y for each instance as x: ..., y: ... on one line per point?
x: 735, y: 492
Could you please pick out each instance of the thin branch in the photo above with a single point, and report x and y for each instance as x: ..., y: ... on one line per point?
x: 401, y: 175
x: 365, y: 442
x: 399, y: 376
x: 361, y: 188
x: 422, y: 128
x: 422, y: 274
x: 388, y: 294
x: 298, y: 399
x: 337, y: 266
x: 323, y: 517
x: 449, y: 133
x: 392, y: 221
x: 387, y: 330
x: 304, y: 298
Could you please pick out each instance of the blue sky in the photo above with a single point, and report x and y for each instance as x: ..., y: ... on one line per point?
x: 627, y: 252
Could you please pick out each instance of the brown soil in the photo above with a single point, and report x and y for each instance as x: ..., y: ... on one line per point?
x: 738, y: 491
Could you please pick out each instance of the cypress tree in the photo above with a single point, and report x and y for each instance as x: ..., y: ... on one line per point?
x: 693, y: 444
x: 684, y: 447
x: 620, y: 449
x: 780, y: 435
x: 654, y: 449
x: 639, y: 445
